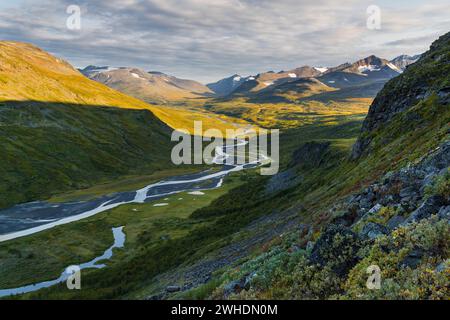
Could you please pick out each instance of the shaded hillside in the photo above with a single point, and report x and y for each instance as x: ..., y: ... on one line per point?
x: 48, y: 148
x: 61, y: 131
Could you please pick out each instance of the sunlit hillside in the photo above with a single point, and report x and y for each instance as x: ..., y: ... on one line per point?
x: 28, y: 73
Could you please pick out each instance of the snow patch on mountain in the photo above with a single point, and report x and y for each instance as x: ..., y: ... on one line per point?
x: 135, y: 75
x: 321, y: 69
x: 368, y: 68
x: 393, y: 67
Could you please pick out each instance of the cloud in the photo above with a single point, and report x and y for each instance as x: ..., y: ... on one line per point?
x: 209, y: 39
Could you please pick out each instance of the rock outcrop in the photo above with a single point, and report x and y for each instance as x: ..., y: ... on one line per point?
x: 405, y: 190
x: 426, y: 77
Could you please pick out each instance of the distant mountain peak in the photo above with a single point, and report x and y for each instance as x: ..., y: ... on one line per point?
x: 321, y: 69
x: 152, y: 86
x: 90, y: 70
x: 226, y: 86
x: 403, y: 61
x: 369, y: 69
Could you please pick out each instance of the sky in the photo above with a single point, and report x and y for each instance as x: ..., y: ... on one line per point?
x: 207, y: 40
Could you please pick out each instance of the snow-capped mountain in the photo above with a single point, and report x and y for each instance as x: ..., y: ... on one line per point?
x: 361, y: 72
x: 240, y: 85
x: 226, y: 86
x: 369, y: 65
x: 153, y: 87
x: 369, y: 73
x: 401, y: 62
x: 321, y: 69
x: 362, y: 78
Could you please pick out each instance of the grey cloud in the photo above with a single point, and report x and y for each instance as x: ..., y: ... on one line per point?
x: 209, y: 39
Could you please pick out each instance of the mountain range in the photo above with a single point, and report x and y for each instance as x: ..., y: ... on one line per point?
x: 362, y: 72
x: 159, y: 88
x: 152, y: 87
x: 356, y: 190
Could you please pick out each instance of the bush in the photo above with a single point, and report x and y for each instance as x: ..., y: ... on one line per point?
x: 431, y: 237
x: 441, y: 186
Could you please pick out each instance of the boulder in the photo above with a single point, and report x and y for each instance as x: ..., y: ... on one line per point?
x: 336, y: 247
x: 346, y: 218
x: 375, y: 209
x: 172, y: 289
x: 394, y: 222
x: 237, y: 286
x: 443, y: 266
x: 365, y: 203
x: 413, y: 259
x: 373, y: 230
x: 408, y: 193
x: 430, y: 206
x: 444, y: 213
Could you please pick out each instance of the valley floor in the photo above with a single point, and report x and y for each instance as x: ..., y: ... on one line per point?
x: 44, y: 256
x: 198, y: 225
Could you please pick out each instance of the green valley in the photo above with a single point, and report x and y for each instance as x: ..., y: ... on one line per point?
x: 364, y: 181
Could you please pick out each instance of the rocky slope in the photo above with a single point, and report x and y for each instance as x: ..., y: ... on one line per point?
x: 403, y: 61
x: 388, y: 209
x: 426, y: 78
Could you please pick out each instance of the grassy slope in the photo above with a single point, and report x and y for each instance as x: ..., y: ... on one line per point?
x: 52, y: 148
x: 290, y: 115
x: 57, y: 133
x: 28, y: 73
